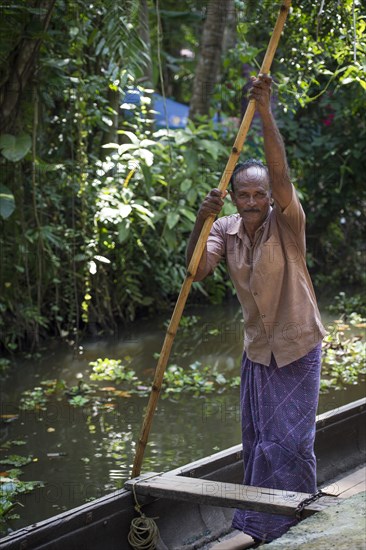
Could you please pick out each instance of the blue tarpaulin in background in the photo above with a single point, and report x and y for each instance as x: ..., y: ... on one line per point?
x: 176, y: 113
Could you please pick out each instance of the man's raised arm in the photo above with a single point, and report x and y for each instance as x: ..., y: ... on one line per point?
x: 273, y: 143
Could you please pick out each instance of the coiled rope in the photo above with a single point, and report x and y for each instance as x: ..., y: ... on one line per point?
x: 144, y: 532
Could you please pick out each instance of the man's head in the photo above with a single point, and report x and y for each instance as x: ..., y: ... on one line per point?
x: 251, y: 192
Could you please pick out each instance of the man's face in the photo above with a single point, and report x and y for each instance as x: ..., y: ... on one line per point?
x: 252, y: 194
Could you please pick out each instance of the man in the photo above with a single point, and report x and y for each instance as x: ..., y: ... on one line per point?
x: 264, y: 249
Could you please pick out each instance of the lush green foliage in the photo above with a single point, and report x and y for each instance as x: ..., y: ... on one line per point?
x: 96, y: 204
x: 319, y: 71
x: 347, y: 306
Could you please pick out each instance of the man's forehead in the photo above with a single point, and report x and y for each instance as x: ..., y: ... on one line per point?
x: 253, y: 176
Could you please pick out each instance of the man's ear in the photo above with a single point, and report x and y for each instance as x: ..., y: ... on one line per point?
x: 232, y: 195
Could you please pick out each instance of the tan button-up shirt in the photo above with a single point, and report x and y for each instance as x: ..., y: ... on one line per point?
x: 272, y: 282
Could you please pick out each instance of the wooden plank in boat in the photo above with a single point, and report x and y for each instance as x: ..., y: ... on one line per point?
x: 349, y: 485
x: 230, y: 495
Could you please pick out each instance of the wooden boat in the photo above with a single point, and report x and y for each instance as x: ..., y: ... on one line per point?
x: 105, y: 522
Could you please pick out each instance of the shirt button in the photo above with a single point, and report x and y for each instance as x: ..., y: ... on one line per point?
x: 263, y: 316
x: 255, y: 293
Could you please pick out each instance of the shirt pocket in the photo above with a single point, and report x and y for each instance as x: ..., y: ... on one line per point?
x: 269, y: 258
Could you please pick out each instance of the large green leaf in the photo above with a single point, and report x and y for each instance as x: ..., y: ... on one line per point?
x: 7, y: 202
x: 123, y: 231
x: 172, y: 219
x: 14, y: 148
x: 192, y: 162
x: 170, y: 237
x: 189, y: 214
x: 182, y: 137
x: 185, y: 185
x: 213, y: 148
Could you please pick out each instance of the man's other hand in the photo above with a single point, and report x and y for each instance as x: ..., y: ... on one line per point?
x: 212, y: 204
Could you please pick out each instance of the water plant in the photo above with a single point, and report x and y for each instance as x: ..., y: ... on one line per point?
x: 197, y: 379
x: 113, y: 370
x: 343, y: 363
x: 11, y: 487
x: 16, y: 460
x: 10, y: 484
x: 344, y: 354
x: 35, y: 399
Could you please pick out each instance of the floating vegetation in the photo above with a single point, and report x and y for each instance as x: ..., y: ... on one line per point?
x: 79, y: 401
x: 344, y: 356
x: 10, y: 485
x: 16, y: 460
x: 113, y: 370
x: 34, y: 399
x: 37, y: 398
x: 9, y: 443
x: 343, y: 363
x: 186, y: 322
x: 196, y: 379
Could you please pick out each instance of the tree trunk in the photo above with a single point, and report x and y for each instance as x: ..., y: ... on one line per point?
x: 22, y: 62
x: 230, y: 35
x: 144, y: 32
x: 210, y: 57
x: 111, y: 135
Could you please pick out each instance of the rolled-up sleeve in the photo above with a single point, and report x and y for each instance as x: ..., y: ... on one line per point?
x: 215, y: 250
x: 293, y: 215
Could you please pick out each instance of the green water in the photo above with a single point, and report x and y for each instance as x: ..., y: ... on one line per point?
x: 82, y: 454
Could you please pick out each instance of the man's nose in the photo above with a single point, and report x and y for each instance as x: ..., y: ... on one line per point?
x: 252, y: 201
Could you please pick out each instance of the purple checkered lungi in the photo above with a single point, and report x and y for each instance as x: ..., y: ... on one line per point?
x: 278, y: 428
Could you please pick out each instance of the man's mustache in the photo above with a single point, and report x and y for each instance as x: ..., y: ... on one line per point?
x: 252, y: 210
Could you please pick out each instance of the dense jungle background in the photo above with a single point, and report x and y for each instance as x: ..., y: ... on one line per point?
x: 98, y: 198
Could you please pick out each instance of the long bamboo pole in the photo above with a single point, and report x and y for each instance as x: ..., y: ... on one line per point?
x: 200, y: 246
